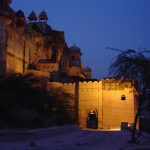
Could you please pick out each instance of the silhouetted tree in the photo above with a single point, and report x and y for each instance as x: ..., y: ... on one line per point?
x: 64, y: 105
x: 24, y: 104
x: 134, y: 66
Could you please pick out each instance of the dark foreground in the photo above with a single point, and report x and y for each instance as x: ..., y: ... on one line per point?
x: 77, y: 139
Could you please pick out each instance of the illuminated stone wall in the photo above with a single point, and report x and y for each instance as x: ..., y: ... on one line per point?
x: 90, y: 95
x: 68, y: 87
x: 74, y: 71
x: 19, y: 48
x: 118, y: 103
x: 49, y: 67
x: 112, y: 100
x: 40, y: 51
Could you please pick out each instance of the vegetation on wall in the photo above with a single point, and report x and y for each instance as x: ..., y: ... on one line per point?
x: 135, y: 66
x: 24, y: 104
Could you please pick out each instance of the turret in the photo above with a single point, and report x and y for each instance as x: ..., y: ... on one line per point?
x: 43, y: 16
x: 32, y: 17
x: 74, y: 68
x: 21, y: 21
x: 75, y: 55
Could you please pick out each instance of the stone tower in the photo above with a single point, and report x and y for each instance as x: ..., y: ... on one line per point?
x: 75, y: 61
x: 21, y: 21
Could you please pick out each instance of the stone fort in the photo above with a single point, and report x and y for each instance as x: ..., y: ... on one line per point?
x: 30, y: 45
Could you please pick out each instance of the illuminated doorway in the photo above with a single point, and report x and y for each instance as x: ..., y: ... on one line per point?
x: 92, y: 120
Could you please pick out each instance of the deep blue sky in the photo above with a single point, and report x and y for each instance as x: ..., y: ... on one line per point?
x: 96, y: 24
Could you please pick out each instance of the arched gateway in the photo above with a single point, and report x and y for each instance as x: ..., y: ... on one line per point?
x: 92, y: 120
x: 106, y: 104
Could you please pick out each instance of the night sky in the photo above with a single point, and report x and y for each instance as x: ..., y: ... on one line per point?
x: 95, y: 24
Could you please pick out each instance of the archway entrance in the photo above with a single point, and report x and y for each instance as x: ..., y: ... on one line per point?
x: 92, y: 120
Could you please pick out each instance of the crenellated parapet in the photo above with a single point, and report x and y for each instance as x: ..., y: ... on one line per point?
x: 116, y: 84
x: 89, y: 84
x: 68, y: 87
x: 104, y: 84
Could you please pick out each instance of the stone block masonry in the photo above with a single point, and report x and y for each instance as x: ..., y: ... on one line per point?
x: 112, y: 101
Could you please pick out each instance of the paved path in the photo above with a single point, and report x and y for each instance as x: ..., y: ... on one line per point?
x: 80, y: 140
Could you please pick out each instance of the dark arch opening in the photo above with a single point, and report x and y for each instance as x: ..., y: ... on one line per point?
x: 92, y: 120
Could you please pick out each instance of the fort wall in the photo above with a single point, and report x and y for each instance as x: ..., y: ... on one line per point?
x: 112, y: 101
x: 70, y: 100
x: 18, y: 51
x: 90, y: 98
x: 118, y: 103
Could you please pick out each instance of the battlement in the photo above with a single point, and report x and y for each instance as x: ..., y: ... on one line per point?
x: 68, y: 87
x: 105, y: 84
x: 90, y: 84
x: 63, y: 85
x: 116, y: 84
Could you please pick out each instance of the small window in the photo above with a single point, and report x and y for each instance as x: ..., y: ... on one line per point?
x: 123, y: 98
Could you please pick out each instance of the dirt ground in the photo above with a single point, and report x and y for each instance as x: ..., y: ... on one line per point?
x: 81, y: 140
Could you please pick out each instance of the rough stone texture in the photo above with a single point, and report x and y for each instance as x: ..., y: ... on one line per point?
x: 35, y: 45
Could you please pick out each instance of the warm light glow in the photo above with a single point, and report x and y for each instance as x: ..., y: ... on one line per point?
x: 92, y: 112
x: 113, y: 129
x: 130, y: 125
